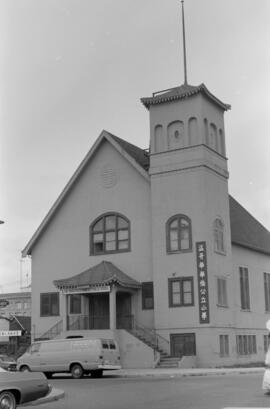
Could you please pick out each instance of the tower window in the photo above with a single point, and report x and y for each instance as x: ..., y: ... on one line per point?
x: 213, y: 137
x: 178, y: 232
x: 219, y: 236
x: 110, y: 233
x: 176, y: 135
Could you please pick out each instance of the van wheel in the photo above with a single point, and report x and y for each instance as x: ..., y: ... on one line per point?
x: 7, y: 400
x: 76, y: 371
x: 97, y: 374
x: 25, y: 368
x: 48, y: 374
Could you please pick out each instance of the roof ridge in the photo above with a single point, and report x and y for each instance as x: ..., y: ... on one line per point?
x: 250, y: 215
x: 118, y: 139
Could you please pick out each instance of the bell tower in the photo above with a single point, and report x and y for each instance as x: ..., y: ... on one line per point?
x: 186, y: 129
x: 189, y: 184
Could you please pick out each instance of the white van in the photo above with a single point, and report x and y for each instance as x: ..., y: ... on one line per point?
x: 78, y: 356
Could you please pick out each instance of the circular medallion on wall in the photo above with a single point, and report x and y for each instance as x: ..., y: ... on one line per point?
x: 108, y: 176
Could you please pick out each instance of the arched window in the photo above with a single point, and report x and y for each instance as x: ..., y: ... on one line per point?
x: 110, y: 233
x: 193, y: 131
x: 176, y: 135
x: 219, y: 235
x: 213, y: 137
x: 178, y: 234
x: 158, y: 139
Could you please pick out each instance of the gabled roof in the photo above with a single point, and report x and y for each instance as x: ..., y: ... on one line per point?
x: 182, y: 92
x: 136, y: 156
x: 141, y: 156
x: 104, y: 273
x: 246, y: 231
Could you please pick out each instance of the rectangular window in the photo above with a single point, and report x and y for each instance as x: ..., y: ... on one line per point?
x: 267, y: 291
x: 19, y: 305
x: 147, y: 295
x: 49, y: 304
x: 246, y: 344
x: 222, y: 292
x: 183, y: 344
x: 181, y: 292
x: 224, y: 345
x: 265, y: 342
x: 75, y: 304
x: 244, y: 288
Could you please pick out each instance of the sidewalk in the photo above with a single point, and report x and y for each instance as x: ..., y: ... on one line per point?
x: 180, y: 372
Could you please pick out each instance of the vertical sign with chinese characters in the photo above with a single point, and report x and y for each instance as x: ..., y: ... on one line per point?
x: 202, y: 282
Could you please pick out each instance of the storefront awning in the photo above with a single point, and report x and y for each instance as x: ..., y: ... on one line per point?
x: 103, y: 274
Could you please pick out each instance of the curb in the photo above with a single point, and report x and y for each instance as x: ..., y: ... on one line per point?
x: 175, y: 374
x: 54, y: 395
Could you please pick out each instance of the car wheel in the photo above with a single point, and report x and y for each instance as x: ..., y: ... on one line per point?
x: 76, y: 371
x: 25, y: 368
x: 97, y: 374
x: 7, y: 400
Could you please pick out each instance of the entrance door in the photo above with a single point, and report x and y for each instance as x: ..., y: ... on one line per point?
x: 183, y: 344
x: 123, y: 311
x: 99, y: 317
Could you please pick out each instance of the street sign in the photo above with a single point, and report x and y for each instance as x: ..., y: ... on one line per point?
x: 6, y: 333
x: 4, y: 303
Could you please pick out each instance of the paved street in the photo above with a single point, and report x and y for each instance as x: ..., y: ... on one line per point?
x: 192, y: 392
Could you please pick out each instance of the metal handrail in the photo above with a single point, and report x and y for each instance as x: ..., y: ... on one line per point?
x: 53, y: 331
x: 150, y: 335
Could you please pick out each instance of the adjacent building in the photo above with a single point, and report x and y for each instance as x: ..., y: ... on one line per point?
x: 18, y: 303
x: 15, y: 321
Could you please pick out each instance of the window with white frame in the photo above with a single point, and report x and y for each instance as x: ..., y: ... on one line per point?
x: 181, y: 292
x: 178, y: 232
x: 110, y: 233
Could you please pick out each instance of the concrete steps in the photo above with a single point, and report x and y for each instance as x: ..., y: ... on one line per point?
x: 168, y: 361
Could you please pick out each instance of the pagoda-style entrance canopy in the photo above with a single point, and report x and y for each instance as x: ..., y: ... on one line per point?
x: 101, y: 297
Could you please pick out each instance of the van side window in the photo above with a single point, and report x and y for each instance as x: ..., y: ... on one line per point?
x: 35, y: 348
x: 105, y: 345
x: 112, y: 345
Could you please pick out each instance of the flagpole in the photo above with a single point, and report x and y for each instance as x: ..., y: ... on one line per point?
x: 184, y: 43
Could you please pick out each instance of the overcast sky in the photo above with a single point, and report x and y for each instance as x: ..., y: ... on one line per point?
x: 70, y: 68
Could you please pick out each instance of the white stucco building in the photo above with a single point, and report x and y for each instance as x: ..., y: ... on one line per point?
x: 148, y: 246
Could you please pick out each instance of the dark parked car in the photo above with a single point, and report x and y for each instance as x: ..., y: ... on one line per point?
x: 21, y: 387
x: 8, y: 363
